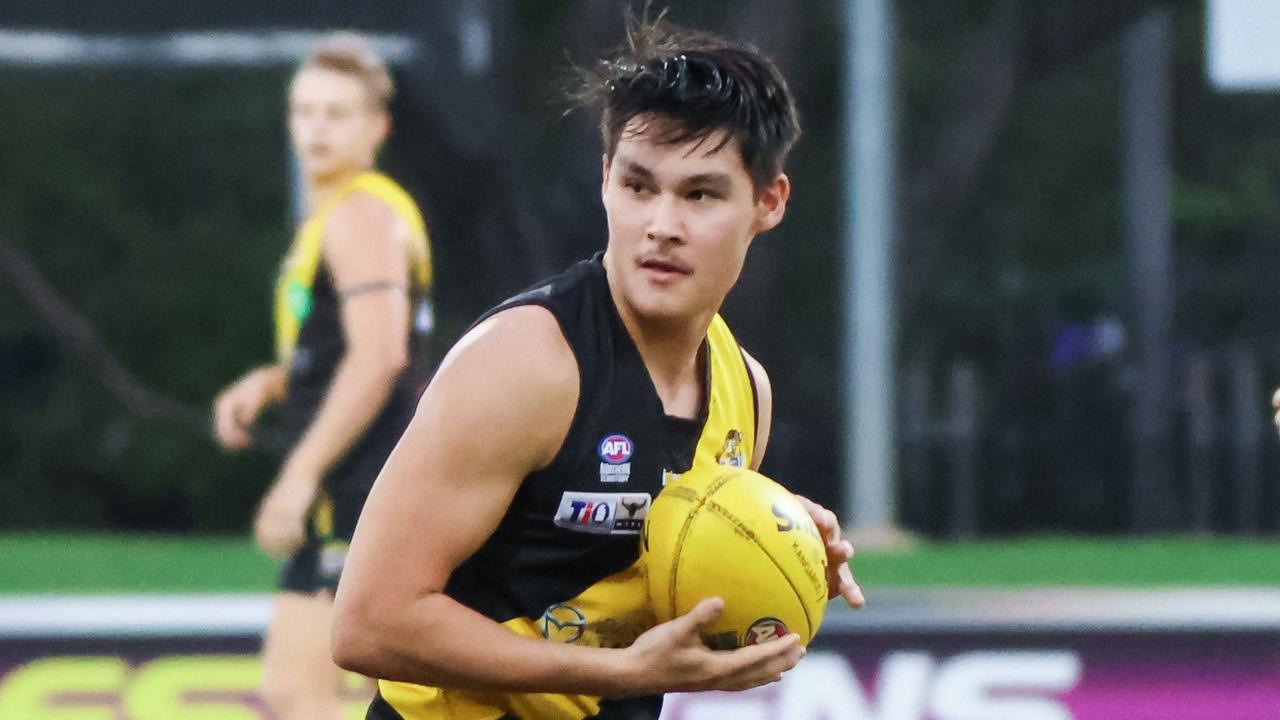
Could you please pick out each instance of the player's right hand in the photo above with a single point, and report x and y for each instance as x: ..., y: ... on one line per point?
x: 1275, y: 403
x: 671, y: 657
x: 237, y: 407
x: 280, y: 525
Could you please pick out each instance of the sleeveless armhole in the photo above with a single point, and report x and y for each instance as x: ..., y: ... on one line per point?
x: 755, y: 391
x: 734, y: 406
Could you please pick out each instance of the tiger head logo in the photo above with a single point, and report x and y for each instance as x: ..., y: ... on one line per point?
x: 634, y: 505
x: 731, y: 453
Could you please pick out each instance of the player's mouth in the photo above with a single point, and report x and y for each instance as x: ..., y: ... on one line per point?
x: 664, y: 270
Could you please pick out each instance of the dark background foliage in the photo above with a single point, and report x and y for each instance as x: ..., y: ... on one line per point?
x: 154, y: 201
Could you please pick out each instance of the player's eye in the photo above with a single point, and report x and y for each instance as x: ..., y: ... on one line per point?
x: 703, y: 195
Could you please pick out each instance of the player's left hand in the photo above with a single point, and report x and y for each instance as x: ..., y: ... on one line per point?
x: 839, y: 552
x: 280, y: 526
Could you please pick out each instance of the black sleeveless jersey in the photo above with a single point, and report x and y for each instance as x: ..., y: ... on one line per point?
x: 320, y: 347
x: 562, y: 563
x: 311, y: 343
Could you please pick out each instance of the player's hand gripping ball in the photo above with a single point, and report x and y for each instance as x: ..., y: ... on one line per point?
x: 735, y: 534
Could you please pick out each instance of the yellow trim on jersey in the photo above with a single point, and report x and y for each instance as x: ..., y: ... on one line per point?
x: 729, y: 437
x: 436, y: 704
x: 616, y: 610
x: 298, y: 272
x: 611, y: 613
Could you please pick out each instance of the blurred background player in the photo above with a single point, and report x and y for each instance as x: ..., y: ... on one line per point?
x: 479, y: 543
x: 345, y: 314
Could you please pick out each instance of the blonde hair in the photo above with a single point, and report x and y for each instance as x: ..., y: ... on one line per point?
x: 351, y: 54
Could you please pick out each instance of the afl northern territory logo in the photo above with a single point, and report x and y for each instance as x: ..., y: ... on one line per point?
x: 615, y: 453
x: 616, y: 449
x: 563, y: 623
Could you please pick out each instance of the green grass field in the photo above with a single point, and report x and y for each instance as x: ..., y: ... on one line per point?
x: 83, y: 563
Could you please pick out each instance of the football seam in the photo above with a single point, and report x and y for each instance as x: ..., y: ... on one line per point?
x: 729, y: 517
x: 698, y: 503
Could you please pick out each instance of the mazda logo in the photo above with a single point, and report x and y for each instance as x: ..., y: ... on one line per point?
x: 563, y: 623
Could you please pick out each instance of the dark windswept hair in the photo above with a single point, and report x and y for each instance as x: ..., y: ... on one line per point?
x: 696, y: 84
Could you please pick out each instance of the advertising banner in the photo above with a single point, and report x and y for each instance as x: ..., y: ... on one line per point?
x: 924, y: 665
x: 993, y: 677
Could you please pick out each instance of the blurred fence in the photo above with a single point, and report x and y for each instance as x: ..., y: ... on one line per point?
x: 976, y: 462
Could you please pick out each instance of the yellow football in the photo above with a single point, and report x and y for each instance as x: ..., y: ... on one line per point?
x: 733, y: 533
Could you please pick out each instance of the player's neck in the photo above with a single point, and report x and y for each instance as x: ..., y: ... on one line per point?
x: 672, y: 354
x: 321, y: 188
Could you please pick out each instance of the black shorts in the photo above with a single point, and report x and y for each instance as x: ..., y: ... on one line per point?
x: 317, y: 565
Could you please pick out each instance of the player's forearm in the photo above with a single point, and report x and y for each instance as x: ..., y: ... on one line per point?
x: 436, y: 641
x: 358, y: 392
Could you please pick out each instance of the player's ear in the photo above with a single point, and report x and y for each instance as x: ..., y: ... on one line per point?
x: 381, y: 128
x: 771, y: 203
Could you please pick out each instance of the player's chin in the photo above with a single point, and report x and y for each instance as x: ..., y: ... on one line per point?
x: 320, y: 166
x: 664, y: 305
x: 664, y: 313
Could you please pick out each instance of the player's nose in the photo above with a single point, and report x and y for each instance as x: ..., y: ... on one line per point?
x: 664, y: 222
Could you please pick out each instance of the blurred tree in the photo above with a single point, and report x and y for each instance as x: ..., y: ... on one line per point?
x: 132, y: 193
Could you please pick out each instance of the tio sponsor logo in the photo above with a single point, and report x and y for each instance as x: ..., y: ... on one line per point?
x: 616, y: 449
x: 613, y: 513
x: 983, y: 685
x: 590, y: 512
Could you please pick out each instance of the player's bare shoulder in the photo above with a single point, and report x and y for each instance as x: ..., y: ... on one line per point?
x: 518, y: 360
x: 525, y: 336
x: 361, y: 217
x: 365, y: 241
